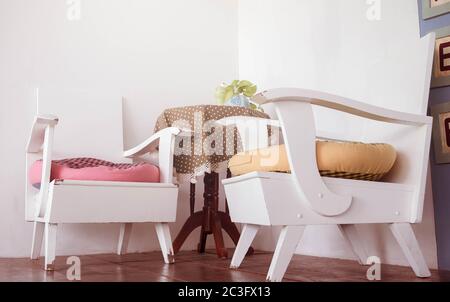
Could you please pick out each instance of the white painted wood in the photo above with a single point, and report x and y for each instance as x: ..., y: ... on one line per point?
x: 77, y: 201
x: 254, y: 210
x: 124, y: 238
x: 253, y: 131
x: 427, y: 46
x: 94, y: 183
x: 304, y: 198
x: 31, y: 193
x: 301, y: 152
x: 369, y: 89
x: 165, y: 140
x: 50, y: 245
x: 46, y: 169
x: 252, y: 140
x: 272, y: 199
x: 248, y: 233
x: 287, y: 243
x: 40, y: 124
x: 166, y: 153
x: 151, y: 143
x: 257, y: 121
x: 119, y: 204
x: 405, y: 237
x: 350, y: 234
x: 422, y: 170
x: 343, y: 104
x: 39, y: 147
x: 38, y: 236
x: 165, y: 241
x: 408, y: 169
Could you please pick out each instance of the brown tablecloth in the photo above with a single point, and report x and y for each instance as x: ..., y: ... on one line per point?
x: 197, y: 162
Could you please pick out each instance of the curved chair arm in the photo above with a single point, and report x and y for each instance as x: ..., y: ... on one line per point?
x: 294, y: 105
x: 151, y: 143
x: 310, y: 186
x: 165, y: 140
x: 301, y: 152
x: 341, y: 104
x: 253, y: 131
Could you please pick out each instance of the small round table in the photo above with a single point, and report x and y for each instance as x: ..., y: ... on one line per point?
x: 210, y: 219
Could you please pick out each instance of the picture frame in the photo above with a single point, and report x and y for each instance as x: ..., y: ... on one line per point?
x: 441, y: 132
x: 441, y: 66
x: 434, y: 8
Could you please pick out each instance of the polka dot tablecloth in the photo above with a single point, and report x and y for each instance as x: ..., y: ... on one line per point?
x: 202, y: 151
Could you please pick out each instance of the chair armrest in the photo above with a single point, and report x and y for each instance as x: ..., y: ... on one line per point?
x: 41, y: 140
x: 341, y: 104
x: 165, y: 140
x: 253, y: 131
x: 233, y: 120
x: 294, y: 107
x: 36, y: 138
x: 151, y: 143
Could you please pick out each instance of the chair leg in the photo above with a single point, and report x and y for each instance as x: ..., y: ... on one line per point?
x: 405, y: 237
x: 165, y: 241
x: 352, y: 237
x: 124, y: 238
x: 50, y: 245
x: 248, y: 233
x: 287, y: 243
x: 38, y: 235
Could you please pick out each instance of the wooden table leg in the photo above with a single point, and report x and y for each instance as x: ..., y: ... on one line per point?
x: 218, y: 237
x: 210, y: 219
x: 201, y: 247
x: 194, y: 221
x: 212, y: 223
x: 192, y: 198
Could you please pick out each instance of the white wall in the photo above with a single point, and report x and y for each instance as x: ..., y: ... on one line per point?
x: 332, y: 46
x: 156, y: 53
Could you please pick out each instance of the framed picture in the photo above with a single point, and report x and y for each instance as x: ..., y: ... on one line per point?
x: 441, y: 66
x: 434, y: 8
x: 441, y: 132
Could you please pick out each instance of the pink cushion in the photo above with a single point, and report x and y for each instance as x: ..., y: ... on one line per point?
x: 95, y: 169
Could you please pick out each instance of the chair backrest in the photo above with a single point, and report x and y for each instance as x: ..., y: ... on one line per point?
x: 90, y: 125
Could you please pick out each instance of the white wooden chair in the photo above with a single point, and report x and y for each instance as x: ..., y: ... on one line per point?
x: 303, y: 197
x: 94, y: 129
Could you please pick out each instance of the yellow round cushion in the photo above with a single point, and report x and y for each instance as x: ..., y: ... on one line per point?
x: 350, y: 160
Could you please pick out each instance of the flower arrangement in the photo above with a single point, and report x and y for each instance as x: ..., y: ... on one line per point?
x: 238, y: 93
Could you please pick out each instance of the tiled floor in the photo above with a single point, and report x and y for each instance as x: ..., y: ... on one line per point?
x: 191, y: 266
